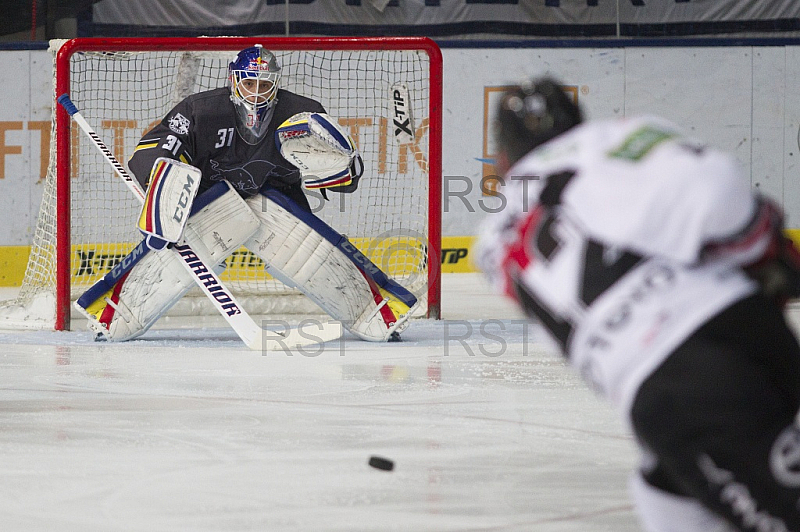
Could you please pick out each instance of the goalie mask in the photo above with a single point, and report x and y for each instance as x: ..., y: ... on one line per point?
x: 253, y: 77
x: 531, y: 114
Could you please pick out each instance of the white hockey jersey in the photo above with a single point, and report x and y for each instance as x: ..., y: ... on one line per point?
x: 605, y: 240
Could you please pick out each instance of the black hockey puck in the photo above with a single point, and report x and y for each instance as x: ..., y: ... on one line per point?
x: 383, y: 464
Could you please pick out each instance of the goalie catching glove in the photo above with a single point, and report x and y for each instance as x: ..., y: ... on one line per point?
x: 325, y: 155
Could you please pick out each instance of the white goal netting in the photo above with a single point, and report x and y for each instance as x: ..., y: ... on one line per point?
x: 123, y: 93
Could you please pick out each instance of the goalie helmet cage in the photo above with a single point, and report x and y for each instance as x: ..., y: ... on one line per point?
x: 123, y: 87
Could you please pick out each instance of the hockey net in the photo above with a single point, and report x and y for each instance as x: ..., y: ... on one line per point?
x: 125, y: 86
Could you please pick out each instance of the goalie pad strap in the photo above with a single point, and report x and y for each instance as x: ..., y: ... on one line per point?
x: 108, y: 313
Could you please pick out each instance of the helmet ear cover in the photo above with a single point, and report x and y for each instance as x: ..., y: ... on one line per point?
x: 530, y: 114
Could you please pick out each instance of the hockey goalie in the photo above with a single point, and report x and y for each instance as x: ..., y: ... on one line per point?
x: 227, y: 168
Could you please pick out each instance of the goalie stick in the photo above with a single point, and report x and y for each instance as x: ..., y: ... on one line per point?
x: 223, y: 300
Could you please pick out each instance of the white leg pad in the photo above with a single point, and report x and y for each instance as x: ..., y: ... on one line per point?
x: 159, y: 280
x: 660, y: 511
x: 300, y: 257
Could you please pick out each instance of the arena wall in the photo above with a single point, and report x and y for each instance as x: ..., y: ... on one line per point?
x: 739, y: 97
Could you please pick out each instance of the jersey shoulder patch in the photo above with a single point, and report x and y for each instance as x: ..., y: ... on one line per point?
x: 179, y: 124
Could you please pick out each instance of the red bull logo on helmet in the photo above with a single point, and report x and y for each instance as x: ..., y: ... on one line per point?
x: 258, y: 63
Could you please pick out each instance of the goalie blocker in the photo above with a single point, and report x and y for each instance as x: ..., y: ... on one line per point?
x: 168, y: 202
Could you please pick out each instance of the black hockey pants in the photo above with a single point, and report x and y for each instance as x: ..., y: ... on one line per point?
x: 719, y: 414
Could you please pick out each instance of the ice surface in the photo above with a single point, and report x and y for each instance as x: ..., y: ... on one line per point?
x: 186, y: 429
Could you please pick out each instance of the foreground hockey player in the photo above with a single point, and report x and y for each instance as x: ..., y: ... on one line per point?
x: 662, y: 278
x: 218, y: 177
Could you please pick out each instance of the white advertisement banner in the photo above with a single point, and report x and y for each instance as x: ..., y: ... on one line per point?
x: 741, y: 98
x: 24, y: 140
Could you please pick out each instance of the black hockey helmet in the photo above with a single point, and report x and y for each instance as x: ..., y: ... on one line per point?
x: 531, y: 114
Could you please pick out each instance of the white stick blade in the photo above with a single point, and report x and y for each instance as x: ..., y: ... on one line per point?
x: 308, y: 333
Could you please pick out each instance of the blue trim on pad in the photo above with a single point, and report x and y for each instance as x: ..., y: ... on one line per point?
x: 208, y: 196
x: 117, y: 272
x: 344, y: 245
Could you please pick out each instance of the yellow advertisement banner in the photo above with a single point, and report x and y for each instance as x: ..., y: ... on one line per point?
x: 393, y: 256
x: 13, y: 260
x: 397, y: 256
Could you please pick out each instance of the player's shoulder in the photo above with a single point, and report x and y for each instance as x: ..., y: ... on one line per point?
x: 212, y: 108
x: 207, y: 99
x: 297, y: 103
x: 609, y: 132
x: 609, y: 138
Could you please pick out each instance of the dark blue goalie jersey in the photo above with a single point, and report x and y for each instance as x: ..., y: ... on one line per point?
x: 201, y: 131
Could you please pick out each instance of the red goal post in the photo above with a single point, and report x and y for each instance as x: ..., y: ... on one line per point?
x: 124, y: 86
